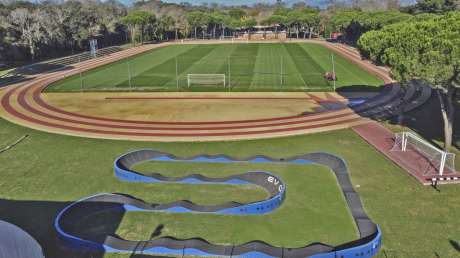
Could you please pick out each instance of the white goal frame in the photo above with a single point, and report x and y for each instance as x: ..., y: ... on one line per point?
x: 405, y: 139
x: 206, y: 79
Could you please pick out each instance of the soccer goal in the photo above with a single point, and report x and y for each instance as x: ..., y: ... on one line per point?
x: 206, y: 79
x: 436, y: 162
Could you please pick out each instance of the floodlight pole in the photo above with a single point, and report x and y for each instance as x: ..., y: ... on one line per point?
x: 333, y: 71
x: 81, y: 75
x: 229, y: 72
x: 81, y: 80
x: 129, y: 73
x: 281, y: 72
x: 177, y: 74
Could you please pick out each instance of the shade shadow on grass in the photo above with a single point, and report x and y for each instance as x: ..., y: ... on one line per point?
x: 42, y: 68
x: 358, y: 88
x: 37, y: 219
x: 455, y: 245
x: 12, y: 79
x: 427, y: 122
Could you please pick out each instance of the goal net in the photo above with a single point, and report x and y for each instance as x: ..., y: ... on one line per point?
x: 206, y: 79
x: 435, y: 162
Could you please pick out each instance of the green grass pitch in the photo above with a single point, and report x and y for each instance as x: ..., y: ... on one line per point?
x: 46, y: 172
x: 247, y: 67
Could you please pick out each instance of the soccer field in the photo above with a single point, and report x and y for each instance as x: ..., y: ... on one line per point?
x: 246, y: 67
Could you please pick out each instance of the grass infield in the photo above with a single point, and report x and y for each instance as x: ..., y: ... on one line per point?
x: 46, y: 172
x: 247, y: 67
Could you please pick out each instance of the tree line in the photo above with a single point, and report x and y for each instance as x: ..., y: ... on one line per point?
x: 427, y: 49
x: 31, y: 31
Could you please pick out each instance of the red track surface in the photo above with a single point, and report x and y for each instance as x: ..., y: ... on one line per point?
x: 51, y: 116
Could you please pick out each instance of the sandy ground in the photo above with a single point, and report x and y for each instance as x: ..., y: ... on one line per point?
x: 183, y: 107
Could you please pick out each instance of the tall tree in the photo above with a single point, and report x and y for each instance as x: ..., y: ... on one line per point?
x: 275, y: 20
x: 26, y: 22
x: 215, y: 20
x: 433, y: 6
x: 293, y: 18
x: 194, y: 19
x: 354, y: 23
x: 310, y: 21
x: 165, y: 24
x: 425, y: 49
x: 237, y: 13
x: 137, y: 21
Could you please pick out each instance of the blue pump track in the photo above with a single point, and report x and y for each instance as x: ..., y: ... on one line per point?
x: 65, y: 223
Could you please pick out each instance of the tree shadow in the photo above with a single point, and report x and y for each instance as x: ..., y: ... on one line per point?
x: 26, y: 73
x: 40, y: 68
x: 157, y: 232
x: 455, y: 245
x: 17, y: 78
x: 37, y: 219
x: 91, y: 223
x: 359, y: 91
x: 427, y: 122
x: 359, y: 88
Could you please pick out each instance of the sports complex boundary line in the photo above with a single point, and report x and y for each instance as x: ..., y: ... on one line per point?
x: 37, y: 113
x: 366, y: 246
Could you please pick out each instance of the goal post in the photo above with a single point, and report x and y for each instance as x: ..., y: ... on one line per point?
x: 442, y: 162
x: 206, y: 79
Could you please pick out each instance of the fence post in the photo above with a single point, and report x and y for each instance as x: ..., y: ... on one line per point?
x: 333, y: 71
x: 81, y: 74
x: 229, y: 73
x: 177, y: 74
x: 281, y: 72
x: 443, y: 163
x: 129, y: 73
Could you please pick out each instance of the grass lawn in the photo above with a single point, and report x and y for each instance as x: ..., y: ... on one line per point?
x: 319, y: 208
x: 3, y: 72
x: 46, y: 172
x: 248, y: 67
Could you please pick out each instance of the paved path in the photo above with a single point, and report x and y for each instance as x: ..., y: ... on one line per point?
x: 411, y: 161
